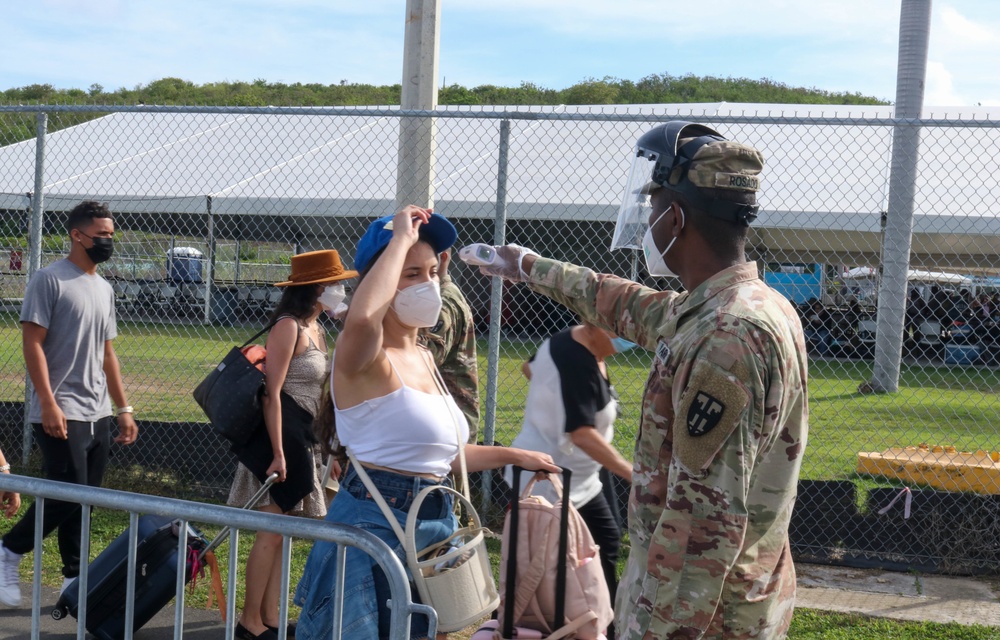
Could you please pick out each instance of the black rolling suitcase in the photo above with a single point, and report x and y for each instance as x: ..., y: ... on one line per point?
x: 155, y: 579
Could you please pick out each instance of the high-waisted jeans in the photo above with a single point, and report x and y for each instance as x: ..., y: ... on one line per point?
x: 366, y: 589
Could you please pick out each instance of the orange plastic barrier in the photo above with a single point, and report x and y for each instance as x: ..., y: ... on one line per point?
x: 936, y: 466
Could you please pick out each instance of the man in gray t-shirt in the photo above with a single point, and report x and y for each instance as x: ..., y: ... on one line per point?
x: 67, y: 326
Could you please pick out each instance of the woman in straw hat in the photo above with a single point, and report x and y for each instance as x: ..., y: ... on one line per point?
x: 297, y: 367
x: 395, y: 420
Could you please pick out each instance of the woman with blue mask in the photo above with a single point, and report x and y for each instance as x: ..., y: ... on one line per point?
x: 393, y: 416
x: 570, y: 413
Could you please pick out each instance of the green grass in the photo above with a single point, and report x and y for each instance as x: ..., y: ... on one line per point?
x: 107, y: 525
x: 937, y: 405
x: 807, y: 624
x: 821, y: 625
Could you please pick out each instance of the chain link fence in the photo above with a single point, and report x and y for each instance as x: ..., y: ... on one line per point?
x: 211, y: 203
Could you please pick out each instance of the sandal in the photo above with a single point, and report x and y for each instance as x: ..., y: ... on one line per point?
x: 289, y: 630
x: 244, y: 634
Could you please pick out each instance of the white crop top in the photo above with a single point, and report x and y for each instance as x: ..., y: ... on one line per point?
x: 406, y: 429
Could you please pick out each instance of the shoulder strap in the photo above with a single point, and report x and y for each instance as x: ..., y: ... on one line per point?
x: 439, y: 381
x: 377, y: 497
x: 393, y: 367
x: 572, y: 626
x: 270, y: 325
x: 260, y: 333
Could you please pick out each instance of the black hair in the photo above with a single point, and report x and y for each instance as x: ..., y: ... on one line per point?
x: 84, y: 213
x: 298, y: 301
x: 325, y: 428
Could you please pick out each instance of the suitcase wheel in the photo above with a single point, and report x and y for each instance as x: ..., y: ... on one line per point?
x: 59, y: 612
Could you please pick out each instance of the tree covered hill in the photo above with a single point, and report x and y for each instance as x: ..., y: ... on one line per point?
x: 654, y: 89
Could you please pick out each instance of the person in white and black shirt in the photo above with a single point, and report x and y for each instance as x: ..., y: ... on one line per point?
x: 570, y: 413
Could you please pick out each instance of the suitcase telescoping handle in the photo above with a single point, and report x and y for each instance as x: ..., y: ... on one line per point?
x: 251, y: 503
x: 510, y: 585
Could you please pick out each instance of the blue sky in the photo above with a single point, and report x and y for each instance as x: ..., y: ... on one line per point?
x: 837, y: 45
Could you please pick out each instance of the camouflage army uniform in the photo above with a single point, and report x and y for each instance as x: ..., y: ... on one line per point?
x: 720, y: 443
x: 453, y: 342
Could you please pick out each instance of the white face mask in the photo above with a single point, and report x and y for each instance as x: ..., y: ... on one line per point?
x: 418, y: 305
x: 655, y: 264
x: 332, y: 296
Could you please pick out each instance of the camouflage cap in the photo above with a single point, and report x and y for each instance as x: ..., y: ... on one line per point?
x: 725, y: 164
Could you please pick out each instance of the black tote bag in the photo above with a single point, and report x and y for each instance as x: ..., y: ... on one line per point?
x: 231, y: 395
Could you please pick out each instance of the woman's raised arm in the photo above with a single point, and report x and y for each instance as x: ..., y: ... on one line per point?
x: 360, y: 342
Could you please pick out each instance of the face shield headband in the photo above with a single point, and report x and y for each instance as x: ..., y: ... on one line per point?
x: 658, y: 162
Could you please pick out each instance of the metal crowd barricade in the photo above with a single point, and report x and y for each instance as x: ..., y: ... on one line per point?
x: 401, y: 605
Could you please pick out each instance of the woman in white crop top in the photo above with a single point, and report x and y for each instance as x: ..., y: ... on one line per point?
x: 393, y: 418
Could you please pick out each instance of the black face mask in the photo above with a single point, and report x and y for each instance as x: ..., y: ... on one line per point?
x: 102, y: 249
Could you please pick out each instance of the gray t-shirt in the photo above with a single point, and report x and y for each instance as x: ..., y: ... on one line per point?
x: 79, y: 312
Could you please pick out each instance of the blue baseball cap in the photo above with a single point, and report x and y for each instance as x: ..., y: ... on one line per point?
x: 438, y: 232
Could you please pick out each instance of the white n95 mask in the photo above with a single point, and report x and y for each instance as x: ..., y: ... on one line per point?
x: 418, y: 305
x: 332, y: 296
x: 655, y: 264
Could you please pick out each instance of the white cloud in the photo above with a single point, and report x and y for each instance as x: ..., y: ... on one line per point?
x: 939, y: 90
x: 964, y: 31
x: 965, y: 45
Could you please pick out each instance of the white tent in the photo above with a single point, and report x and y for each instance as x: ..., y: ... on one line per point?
x: 825, y: 185
x: 913, y: 275
x: 857, y: 273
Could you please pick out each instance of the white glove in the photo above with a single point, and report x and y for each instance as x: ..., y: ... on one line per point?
x: 505, y: 262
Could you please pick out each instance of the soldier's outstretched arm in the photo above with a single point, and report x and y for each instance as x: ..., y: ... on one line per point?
x: 627, y: 308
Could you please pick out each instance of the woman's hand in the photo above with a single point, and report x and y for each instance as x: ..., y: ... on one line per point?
x: 277, y: 466
x: 335, y: 470
x: 10, y: 502
x: 406, y: 224
x: 536, y: 461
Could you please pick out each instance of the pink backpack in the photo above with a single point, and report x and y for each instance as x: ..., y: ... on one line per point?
x: 535, y: 571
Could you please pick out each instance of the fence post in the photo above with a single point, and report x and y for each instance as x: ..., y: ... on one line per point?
x: 236, y: 263
x: 210, y: 262
x: 496, y: 306
x: 914, y: 33
x: 35, y: 228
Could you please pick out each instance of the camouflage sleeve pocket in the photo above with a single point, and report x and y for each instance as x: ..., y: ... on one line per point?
x: 712, y: 405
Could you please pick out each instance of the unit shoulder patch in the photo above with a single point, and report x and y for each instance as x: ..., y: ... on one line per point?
x: 712, y: 405
x: 704, y: 413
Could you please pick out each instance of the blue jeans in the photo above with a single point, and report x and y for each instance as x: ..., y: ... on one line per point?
x: 366, y: 590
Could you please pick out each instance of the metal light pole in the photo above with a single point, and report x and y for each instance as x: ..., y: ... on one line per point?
x: 415, y: 171
x: 914, y: 34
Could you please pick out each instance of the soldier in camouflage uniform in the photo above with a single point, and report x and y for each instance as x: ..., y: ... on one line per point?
x: 452, y: 341
x: 725, y: 414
